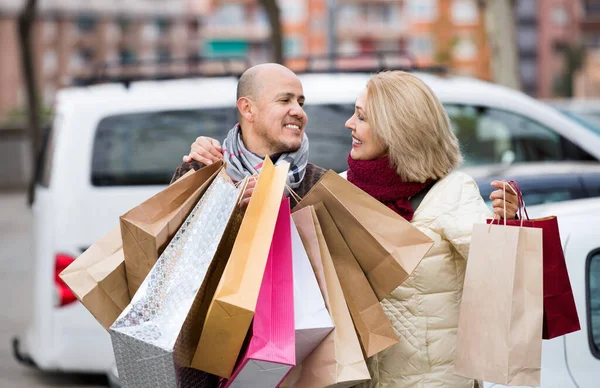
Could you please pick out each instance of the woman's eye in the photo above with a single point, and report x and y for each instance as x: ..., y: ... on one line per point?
x: 361, y: 118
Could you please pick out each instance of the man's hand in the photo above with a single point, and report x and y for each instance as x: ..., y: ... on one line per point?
x: 205, y: 150
x: 497, y: 197
x: 249, y: 191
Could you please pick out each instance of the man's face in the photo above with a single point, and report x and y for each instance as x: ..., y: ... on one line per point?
x: 280, y: 119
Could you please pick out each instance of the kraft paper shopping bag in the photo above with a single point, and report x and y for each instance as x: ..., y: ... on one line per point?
x: 97, y: 277
x: 499, y: 336
x: 338, y: 361
x: 149, y: 227
x: 387, y: 247
x: 374, y: 329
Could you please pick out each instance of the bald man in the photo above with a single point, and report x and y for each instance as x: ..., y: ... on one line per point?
x: 271, y: 117
x: 271, y: 123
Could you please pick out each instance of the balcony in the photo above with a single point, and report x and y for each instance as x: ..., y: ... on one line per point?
x: 251, y: 33
x: 378, y: 31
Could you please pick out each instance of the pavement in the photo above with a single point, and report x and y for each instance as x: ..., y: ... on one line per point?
x: 16, y: 282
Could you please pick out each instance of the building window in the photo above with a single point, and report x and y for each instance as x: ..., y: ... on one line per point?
x: 127, y: 56
x: 423, y: 11
x: 50, y: 62
x: 82, y: 58
x: 293, y: 46
x: 421, y: 45
x: 229, y: 15
x: 464, y: 12
x: 86, y: 23
x: 348, y: 13
x: 348, y: 47
x: 163, y: 26
x: 49, y: 30
x: 560, y: 16
x: 150, y: 32
x: 593, y: 301
x: 526, y: 9
x: 293, y: 11
x: 465, y: 48
x: 163, y: 54
x: 527, y: 37
x: 528, y: 71
x: 124, y: 25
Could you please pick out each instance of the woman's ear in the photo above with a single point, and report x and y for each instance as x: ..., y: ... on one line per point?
x: 246, y: 108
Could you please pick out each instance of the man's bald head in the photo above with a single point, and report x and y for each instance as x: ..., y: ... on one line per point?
x: 252, y: 79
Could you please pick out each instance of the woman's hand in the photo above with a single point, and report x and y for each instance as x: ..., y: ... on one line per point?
x: 497, y: 197
x: 205, y: 150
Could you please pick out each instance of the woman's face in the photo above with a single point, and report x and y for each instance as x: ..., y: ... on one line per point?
x: 364, y: 144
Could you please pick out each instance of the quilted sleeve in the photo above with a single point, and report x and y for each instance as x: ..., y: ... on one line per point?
x: 465, y: 207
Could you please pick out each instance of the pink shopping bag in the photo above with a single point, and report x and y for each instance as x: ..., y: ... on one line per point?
x: 271, y: 349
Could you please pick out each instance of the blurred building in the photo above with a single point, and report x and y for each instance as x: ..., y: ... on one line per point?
x: 71, y: 37
x: 587, y: 83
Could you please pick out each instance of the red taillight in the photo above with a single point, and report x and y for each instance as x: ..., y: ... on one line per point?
x: 65, y: 295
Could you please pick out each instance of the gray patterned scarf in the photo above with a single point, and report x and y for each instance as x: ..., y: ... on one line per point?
x: 242, y: 163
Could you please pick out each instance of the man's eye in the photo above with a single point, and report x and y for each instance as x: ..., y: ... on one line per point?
x: 285, y: 100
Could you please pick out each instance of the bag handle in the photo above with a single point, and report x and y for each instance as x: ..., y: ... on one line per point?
x: 514, y: 187
x: 293, y: 194
x: 520, y: 199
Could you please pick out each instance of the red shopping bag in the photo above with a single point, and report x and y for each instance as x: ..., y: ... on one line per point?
x: 560, y: 313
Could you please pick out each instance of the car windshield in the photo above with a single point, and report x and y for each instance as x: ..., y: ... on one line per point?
x: 145, y: 148
x: 588, y: 120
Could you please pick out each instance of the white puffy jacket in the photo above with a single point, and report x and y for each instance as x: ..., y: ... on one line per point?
x: 424, y: 309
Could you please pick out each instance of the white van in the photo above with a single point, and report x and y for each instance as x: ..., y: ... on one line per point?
x: 112, y: 146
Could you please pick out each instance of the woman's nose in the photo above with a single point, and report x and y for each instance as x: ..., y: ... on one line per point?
x: 349, y: 124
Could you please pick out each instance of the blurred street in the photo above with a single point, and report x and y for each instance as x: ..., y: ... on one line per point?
x: 16, y: 278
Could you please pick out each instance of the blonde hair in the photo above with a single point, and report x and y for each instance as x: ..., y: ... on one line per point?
x: 407, y: 117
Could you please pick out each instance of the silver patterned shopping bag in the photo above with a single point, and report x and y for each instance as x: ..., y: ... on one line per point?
x: 155, y: 337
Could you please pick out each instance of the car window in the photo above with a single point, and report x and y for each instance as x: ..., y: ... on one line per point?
x: 593, y: 301
x: 145, y: 148
x: 330, y: 141
x: 489, y: 136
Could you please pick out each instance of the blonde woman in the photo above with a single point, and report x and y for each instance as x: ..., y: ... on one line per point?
x: 404, y: 154
x: 402, y: 148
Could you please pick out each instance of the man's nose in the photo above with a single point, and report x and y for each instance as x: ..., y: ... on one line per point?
x: 297, y: 111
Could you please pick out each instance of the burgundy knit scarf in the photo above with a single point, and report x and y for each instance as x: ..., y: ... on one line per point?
x: 378, y: 179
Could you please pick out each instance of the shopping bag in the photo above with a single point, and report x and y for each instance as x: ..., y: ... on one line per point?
x: 155, y: 337
x: 312, y: 320
x: 499, y: 336
x: 271, y: 351
x: 375, y: 332
x: 233, y: 305
x: 387, y: 247
x: 338, y: 361
x: 97, y: 278
x: 147, y: 228
x: 560, y: 312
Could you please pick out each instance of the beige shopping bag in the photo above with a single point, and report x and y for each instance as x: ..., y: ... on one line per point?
x: 234, y: 302
x: 387, y: 247
x: 500, y: 327
x: 97, y: 278
x: 338, y: 361
x: 374, y: 329
x: 147, y: 228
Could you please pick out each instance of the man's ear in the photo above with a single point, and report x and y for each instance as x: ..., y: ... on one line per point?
x: 246, y: 108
